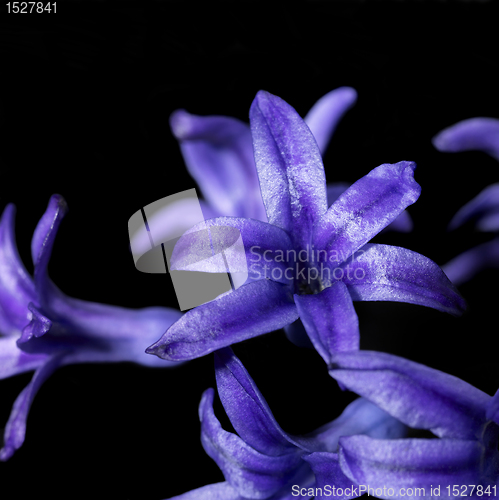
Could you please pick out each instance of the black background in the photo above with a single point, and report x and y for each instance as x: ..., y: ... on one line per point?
x: 85, y: 98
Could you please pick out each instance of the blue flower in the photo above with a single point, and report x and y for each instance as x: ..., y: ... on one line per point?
x: 44, y: 329
x: 263, y: 461
x: 463, y: 417
x: 480, y: 134
x: 307, y: 261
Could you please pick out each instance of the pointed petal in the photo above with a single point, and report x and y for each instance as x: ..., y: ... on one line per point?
x: 328, y: 473
x: 330, y: 320
x: 252, y: 474
x: 486, y: 203
x: 480, y: 134
x: 384, y: 272
x: 325, y: 114
x: 402, y: 223
x: 253, y: 309
x: 14, y: 361
x: 419, y: 396
x: 467, y: 265
x: 367, y: 207
x: 217, y: 491
x: 218, y: 153
x: 410, y: 463
x: 246, y: 407
x: 359, y: 417
x: 42, y: 243
x: 260, y: 253
x: 16, y: 287
x: 289, y: 167
x: 15, y: 429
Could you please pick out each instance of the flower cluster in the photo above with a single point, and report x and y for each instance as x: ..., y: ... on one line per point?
x: 308, y: 257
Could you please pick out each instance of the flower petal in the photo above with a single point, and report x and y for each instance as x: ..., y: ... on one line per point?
x: 218, y: 153
x: 486, y: 203
x: 16, y: 287
x: 105, y: 333
x: 253, y: 309
x: 419, y: 396
x: 467, y: 265
x: 330, y: 320
x: 367, y: 207
x: 217, y: 491
x: 410, y: 463
x: 246, y: 408
x: 480, y: 134
x: 15, y: 429
x: 289, y: 167
x: 328, y: 473
x: 14, y: 361
x: 359, y: 417
x: 384, y: 272
x: 402, y: 223
x: 325, y: 114
x: 262, y: 248
x: 251, y: 473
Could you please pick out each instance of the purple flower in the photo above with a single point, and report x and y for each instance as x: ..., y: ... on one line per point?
x: 263, y: 461
x: 338, y: 264
x: 480, y: 134
x: 43, y: 329
x: 463, y: 417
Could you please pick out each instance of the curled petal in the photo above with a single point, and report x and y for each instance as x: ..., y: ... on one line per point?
x: 246, y: 407
x: 16, y: 287
x: 410, y: 463
x: 480, y: 134
x: 384, y: 272
x: 251, y: 473
x: 467, y: 265
x: 366, y: 208
x: 45, y: 233
x: 330, y: 320
x: 15, y: 429
x: 217, y: 491
x: 218, y: 153
x: 253, y: 309
x: 289, y: 167
x: 419, y: 396
x: 325, y: 114
x: 485, y: 206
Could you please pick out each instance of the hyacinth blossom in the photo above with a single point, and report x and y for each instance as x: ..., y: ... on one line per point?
x: 481, y: 134
x: 218, y: 153
x: 463, y: 462
x: 43, y: 329
x: 333, y: 262
x: 263, y: 461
